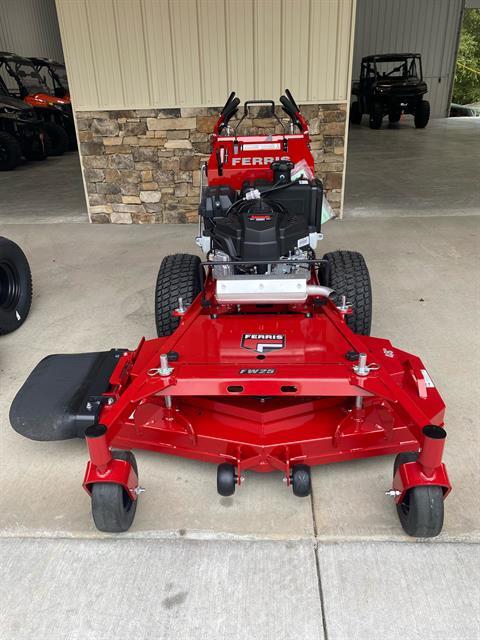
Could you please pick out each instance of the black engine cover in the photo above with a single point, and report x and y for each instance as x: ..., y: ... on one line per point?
x: 258, y: 232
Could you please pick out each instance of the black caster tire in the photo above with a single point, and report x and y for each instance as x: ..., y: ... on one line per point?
x: 180, y: 276
x: 301, y: 480
x: 113, y: 510
x: 226, y: 479
x: 15, y: 286
x: 421, y: 511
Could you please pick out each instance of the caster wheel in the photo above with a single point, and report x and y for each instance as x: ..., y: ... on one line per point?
x: 421, y: 510
x: 113, y: 509
x: 301, y: 480
x: 226, y: 479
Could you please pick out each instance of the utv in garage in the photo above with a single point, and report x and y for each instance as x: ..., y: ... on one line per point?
x: 55, y: 75
x: 390, y: 84
x: 24, y: 82
x: 21, y: 133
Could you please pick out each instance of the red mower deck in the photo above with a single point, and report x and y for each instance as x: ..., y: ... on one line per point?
x: 263, y: 384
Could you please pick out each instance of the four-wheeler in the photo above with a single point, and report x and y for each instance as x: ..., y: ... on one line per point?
x: 390, y: 84
x: 263, y: 361
x: 15, y: 286
x: 55, y: 75
x: 24, y: 82
x: 21, y: 133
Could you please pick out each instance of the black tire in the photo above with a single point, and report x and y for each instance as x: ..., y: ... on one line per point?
x: 226, y: 479
x: 346, y: 272
x: 37, y: 149
x: 57, y: 138
x: 113, y: 510
x: 15, y: 286
x: 10, y: 151
x: 422, y: 114
x: 421, y: 511
x: 355, y: 113
x: 394, y: 116
x: 376, y: 115
x: 178, y: 277
x: 301, y: 480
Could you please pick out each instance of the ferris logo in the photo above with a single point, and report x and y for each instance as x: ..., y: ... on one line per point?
x: 255, y: 161
x: 263, y: 342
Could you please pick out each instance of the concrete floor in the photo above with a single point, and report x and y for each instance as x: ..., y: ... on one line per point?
x: 39, y: 192
x: 403, y: 171
x: 94, y: 289
x: 262, y: 564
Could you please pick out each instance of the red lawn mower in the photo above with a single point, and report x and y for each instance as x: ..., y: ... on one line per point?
x: 263, y: 361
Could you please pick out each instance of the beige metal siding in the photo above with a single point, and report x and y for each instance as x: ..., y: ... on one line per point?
x: 164, y: 53
x: 428, y: 27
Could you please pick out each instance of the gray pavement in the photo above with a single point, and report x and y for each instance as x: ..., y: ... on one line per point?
x: 43, y: 192
x: 94, y: 290
x: 402, y: 171
x: 211, y: 590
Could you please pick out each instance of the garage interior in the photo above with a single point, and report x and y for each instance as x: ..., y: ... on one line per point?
x: 330, y: 567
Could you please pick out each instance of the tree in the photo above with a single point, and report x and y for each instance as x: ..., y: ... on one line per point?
x: 467, y: 74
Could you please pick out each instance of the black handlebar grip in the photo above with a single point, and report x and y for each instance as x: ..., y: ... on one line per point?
x: 290, y: 97
x: 229, y: 99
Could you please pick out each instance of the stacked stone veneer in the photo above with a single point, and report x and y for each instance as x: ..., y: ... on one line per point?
x: 142, y: 166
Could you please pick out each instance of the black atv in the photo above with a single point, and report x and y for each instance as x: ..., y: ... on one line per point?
x: 390, y: 84
x: 55, y: 75
x: 15, y: 286
x: 25, y: 83
x: 21, y: 133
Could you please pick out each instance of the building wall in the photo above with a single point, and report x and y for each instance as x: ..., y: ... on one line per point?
x: 143, y: 165
x: 137, y: 54
x: 148, y: 77
x: 30, y: 28
x: 429, y: 27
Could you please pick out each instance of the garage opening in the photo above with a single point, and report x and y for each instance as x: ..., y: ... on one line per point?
x: 40, y: 175
x: 406, y: 156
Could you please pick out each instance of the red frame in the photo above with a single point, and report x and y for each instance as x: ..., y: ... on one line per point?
x: 222, y: 402
x: 313, y: 420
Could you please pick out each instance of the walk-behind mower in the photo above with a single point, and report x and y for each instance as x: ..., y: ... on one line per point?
x: 263, y: 360
x: 24, y: 82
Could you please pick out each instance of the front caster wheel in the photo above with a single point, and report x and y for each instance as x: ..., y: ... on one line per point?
x: 113, y: 509
x: 301, y: 480
x: 226, y: 479
x: 421, y: 510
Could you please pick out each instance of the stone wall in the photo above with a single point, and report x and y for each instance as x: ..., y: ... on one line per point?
x: 143, y: 166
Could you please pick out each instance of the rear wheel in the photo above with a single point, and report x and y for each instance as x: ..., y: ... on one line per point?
x: 376, y: 115
x: 15, y: 286
x: 346, y: 272
x: 355, y: 113
x: 421, y: 510
x: 179, y: 276
x: 10, y: 151
x: 422, y: 114
x: 113, y: 509
x: 36, y: 149
x: 394, y: 115
x: 57, y: 138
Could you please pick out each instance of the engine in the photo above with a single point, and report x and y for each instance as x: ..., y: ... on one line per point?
x: 265, y: 228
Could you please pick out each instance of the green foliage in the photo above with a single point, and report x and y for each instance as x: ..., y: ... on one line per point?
x: 467, y: 83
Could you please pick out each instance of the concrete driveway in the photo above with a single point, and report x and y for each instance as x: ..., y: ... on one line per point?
x: 262, y: 564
